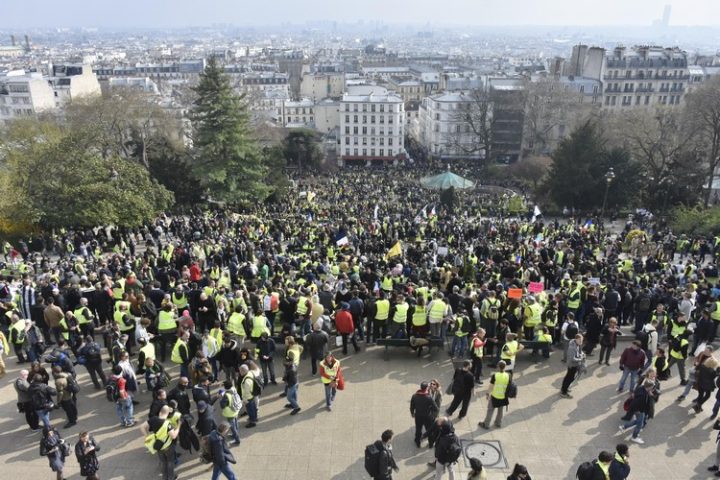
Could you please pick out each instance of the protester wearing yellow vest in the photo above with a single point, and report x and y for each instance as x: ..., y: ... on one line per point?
x: 147, y: 350
x: 330, y: 375
x: 167, y: 329
x: 678, y: 354
x: 509, y: 350
x: 17, y: 337
x: 231, y: 404
x: 438, y: 310
x: 497, y: 398
x: 400, y: 317
x: 160, y: 438
x: 460, y: 341
x: 532, y: 316
x: 379, y: 321
x: 84, y: 318
x: 259, y: 326
x: 181, y: 355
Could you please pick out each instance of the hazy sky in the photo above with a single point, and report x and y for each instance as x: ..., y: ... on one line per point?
x: 178, y: 13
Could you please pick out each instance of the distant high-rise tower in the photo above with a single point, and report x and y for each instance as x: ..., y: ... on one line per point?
x: 27, y: 43
x: 12, y: 40
x: 666, y: 16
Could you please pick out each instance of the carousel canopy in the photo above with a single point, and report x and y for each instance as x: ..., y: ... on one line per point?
x: 446, y: 180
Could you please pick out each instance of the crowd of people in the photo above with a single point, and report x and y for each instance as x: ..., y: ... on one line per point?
x: 228, y: 297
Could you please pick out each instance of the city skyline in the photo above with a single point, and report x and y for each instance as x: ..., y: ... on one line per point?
x: 184, y: 13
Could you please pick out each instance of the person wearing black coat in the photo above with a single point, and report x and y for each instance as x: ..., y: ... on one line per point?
x: 229, y: 359
x: 201, y: 392
x: 593, y: 328
x: 520, y: 472
x: 462, y: 388
x: 222, y: 457
x: 706, y: 373
x: 181, y: 396
x: 424, y: 410
x: 446, y: 439
x: 387, y: 461
x: 641, y: 407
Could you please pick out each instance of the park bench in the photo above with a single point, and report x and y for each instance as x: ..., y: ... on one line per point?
x: 405, y: 342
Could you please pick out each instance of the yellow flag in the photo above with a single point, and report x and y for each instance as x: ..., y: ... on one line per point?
x: 395, y: 251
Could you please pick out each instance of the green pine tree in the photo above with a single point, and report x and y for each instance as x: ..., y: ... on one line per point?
x: 227, y: 160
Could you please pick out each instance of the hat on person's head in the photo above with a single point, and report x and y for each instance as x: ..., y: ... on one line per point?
x: 424, y: 385
x: 345, y: 306
x: 202, y: 406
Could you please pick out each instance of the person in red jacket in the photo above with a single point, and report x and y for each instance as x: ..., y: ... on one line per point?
x: 631, y: 361
x: 345, y: 327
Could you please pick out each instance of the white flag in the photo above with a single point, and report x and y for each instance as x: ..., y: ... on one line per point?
x: 377, y: 207
x: 343, y: 241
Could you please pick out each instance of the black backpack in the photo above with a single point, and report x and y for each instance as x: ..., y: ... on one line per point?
x: 511, y: 390
x: 453, y: 450
x: 643, y: 337
x: 40, y: 400
x: 72, y: 384
x: 93, y: 352
x: 585, y: 471
x: 571, y: 331
x: 112, y: 391
x: 257, y: 387
x: 372, y: 460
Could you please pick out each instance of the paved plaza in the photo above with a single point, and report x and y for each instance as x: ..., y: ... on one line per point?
x: 548, y: 434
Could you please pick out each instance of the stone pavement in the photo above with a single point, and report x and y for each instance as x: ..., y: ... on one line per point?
x: 548, y: 434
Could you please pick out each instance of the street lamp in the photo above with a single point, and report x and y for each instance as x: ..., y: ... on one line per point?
x: 609, y: 177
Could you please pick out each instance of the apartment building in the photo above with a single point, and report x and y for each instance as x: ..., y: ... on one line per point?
x: 372, y: 126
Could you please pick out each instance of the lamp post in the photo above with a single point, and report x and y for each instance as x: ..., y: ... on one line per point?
x: 609, y: 177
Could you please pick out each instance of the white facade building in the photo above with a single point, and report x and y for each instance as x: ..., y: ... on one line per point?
x: 372, y: 125
x: 298, y: 114
x: 319, y: 85
x: 23, y: 95
x: 441, y: 129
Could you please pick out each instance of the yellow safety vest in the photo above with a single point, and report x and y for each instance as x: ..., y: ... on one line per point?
x: 217, y: 333
x: 605, y: 469
x: 331, y: 372
x: 175, y: 357
x: 419, y: 317
x: 535, y: 316
x: 179, y: 302
x: 259, y: 326
x: 437, y: 311
x: 149, y: 351
x: 545, y: 338
x: 302, y: 308
x: 19, y: 328
x: 401, y: 311
x: 502, y: 380
x: 677, y: 329
x: 80, y: 315
x: 574, y: 303
x: 163, y: 435
x: 715, y: 315
x: 294, y: 352
x: 458, y: 331
x: 387, y: 284
x: 118, y: 317
x: 166, y: 322
x: 678, y: 354
x: 382, y: 310
x: 229, y: 412
x: 509, y: 351
x: 235, y: 324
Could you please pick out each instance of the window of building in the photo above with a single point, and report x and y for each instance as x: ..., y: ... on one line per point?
x: 347, y: 151
x: 628, y: 73
x: 382, y: 152
x: 289, y: 120
x: 364, y: 140
x: 347, y: 140
x: 364, y: 152
x: 372, y: 108
x: 372, y: 118
x: 607, y: 101
x: 355, y: 140
x: 347, y: 118
x: 382, y: 108
x: 355, y: 130
x: 390, y: 119
x: 382, y: 141
x: 364, y: 130
x: 647, y: 99
x: 390, y: 141
x: 372, y: 152
x: 364, y: 109
x: 355, y: 151
x: 372, y: 130
x: 612, y: 101
x: 355, y: 107
x: 637, y: 100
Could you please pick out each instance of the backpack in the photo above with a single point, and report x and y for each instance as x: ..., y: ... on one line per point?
x: 40, y: 401
x: 257, y: 387
x: 234, y: 402
x: 585, y: 471
x: 466, y: 327
x: 644, y: 304
x: 571, y: 331
x: 93, y: 352
x: 511, y: 390
x: 112, y: 391
x: 643, y: 337
x: 372, y: 460
x: 72, y: 384
x: 493, y: 312
x: 453, y: 450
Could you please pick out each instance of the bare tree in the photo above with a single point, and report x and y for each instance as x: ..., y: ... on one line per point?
x: 549, y: 106
x: 471, y: 124
x: 703, y: 113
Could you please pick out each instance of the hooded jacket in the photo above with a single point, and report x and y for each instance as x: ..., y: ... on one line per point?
x: 447, y: 437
